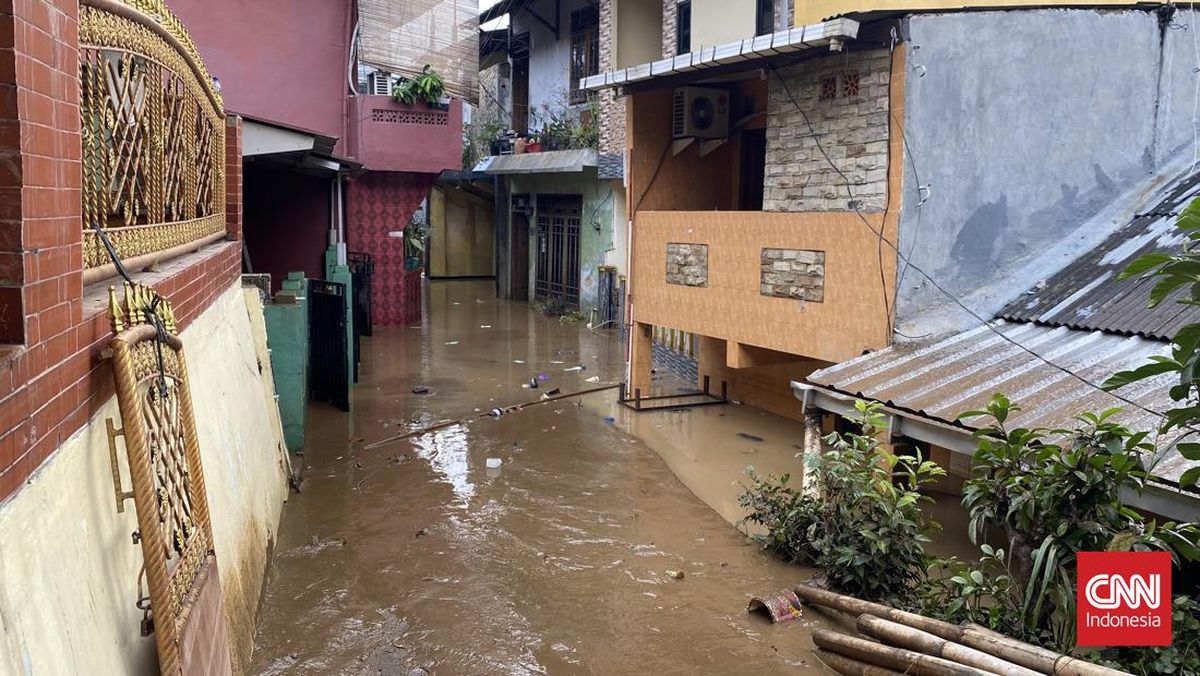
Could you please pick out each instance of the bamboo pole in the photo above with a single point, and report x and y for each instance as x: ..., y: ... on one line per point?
x: 907, y: 661
x: 507, y: 409
x: 896, y: 634
x: 848, y: 666
x: 974, y: 636
x: 1031, y: 656
x: 856, y: 607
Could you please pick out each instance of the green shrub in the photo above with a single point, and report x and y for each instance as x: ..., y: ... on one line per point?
x: 1181, y: 657
x: 863, y: 524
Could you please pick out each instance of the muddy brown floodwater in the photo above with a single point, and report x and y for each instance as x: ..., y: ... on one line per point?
x: 417, y: 556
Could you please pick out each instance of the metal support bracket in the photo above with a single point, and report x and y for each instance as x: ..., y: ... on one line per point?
x: 121, y: 495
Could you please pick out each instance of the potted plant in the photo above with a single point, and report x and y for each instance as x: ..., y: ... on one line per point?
x: 414, y: 245
x: 427, y: 87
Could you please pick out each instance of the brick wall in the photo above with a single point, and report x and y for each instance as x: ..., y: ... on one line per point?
x: 233, y: 176
x: 670, y: 27
x: 612, y: 109
x: 846, y: 99
x: 52, y: 377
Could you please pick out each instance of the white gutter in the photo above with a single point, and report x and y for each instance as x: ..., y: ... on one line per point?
x: 830, y: 34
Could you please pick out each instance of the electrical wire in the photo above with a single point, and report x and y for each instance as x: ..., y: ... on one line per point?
x: 950, y: 296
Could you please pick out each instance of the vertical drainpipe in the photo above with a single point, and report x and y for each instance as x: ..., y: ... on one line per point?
x: 341, y: 221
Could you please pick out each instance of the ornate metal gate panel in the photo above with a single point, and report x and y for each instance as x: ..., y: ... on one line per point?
x: 153, y: 129
x: 163, y: 451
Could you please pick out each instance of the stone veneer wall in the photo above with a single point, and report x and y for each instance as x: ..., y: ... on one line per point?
x: 612, y: 109
x: 669, y: 27
x: 852, y: 128
x: 687, y: 264
x: 793, y: 273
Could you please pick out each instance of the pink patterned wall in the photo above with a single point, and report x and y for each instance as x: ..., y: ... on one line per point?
x: 377, y: 203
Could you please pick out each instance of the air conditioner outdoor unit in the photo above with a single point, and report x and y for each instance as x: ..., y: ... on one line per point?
x: 700, y: 112
x: 379, y: 83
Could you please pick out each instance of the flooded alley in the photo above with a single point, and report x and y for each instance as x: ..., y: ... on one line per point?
x: 416, y: 555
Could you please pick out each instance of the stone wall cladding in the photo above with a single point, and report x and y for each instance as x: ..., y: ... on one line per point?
x: 612, y: 109
x: 669, y: 27
x: 793, y: 273
x: 687, y: 264
x: 667, y: 360
x: 851, y: 127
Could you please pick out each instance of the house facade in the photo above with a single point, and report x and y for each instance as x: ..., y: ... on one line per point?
x: 556, y: 156
x: 859, y: 177
x: 333, y: 162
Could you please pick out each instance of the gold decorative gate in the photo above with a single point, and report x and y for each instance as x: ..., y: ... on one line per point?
x: 153, y: 129
x: 168, y: 485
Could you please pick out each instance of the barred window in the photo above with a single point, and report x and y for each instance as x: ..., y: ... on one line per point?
x: 585, y: 49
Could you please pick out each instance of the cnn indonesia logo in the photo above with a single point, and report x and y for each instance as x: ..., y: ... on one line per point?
x: 1123, y: 599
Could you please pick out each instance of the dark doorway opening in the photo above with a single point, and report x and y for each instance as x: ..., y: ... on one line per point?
x: 558, y: 219
x: 754, y: 164
x: 519, y: 284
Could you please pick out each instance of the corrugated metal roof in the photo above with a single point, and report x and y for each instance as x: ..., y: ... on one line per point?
x: 941, y: 379
x: 1088, y: 295
x: 548, y: 162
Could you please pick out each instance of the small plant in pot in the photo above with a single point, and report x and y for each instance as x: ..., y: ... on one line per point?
x: 427, y: 87
x: 414, y: 245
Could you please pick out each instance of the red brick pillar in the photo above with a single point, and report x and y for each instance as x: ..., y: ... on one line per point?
x: 233, y: 176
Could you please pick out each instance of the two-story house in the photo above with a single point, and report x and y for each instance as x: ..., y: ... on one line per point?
x: 808, y: 184
x: 556, y: 155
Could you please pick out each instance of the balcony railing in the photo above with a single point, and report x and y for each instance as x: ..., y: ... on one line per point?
x: 153, y: 128
x: 392, y: 136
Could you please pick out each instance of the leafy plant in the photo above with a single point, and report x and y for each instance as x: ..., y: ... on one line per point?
x: 863, y: 525
x: 1053, y: 493
x: 563, y: 127
x: 427, y: 87
x: 1177, y: 278
x: 983, y: 592
x: 1181, y: 657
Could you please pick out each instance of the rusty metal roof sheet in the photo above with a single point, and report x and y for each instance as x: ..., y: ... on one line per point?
x: 1088, y: 295
x: 941, y: 379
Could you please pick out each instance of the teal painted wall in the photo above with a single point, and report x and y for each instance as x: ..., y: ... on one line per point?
x: 287, y: 338
x: 596, y: 245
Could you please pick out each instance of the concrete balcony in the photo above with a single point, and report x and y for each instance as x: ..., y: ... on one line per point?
x: 390, y: 136
x: 800, y: 283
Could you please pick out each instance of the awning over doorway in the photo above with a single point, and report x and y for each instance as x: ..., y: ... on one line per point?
x: 816, y: 36
x: 547, y: 162
x: 276, y: 145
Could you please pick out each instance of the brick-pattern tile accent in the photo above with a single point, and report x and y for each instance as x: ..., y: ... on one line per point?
x: 52, y: 378
x: 793, y: 273
x: 687, y: 264
x: 851, y: 127
x: 50, y: 390
x: 670, y: 27
x: 612, y: 109
x: 233, y: 176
